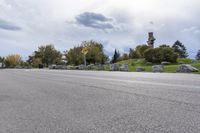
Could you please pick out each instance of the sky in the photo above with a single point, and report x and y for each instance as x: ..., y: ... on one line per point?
x: 117, y: 24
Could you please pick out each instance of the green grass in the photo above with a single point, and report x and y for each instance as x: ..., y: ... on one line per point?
x: 170, y: 68
x: 134, y: 63
x: 184, y: 60
x: 197, y: 66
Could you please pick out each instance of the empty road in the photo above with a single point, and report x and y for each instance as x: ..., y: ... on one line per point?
x: 56, y: 101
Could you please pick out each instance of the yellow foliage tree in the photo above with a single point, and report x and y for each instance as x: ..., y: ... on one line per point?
x: 13, y: 60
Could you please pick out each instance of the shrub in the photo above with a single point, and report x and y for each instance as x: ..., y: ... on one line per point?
x: 157, y: 55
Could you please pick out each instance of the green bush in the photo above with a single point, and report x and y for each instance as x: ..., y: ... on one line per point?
x: 157, y: 55
x: 184, y: 60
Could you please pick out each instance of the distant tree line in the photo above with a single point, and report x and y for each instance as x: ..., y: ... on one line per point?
x: 155, y: 55
x: 47, y: 55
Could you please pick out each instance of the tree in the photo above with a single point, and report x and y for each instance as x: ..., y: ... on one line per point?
x: 157, y: 55
x: 36, y: 62
x: 133, y: 54
x: 2, y: 59
x: 125, y: 56
x: 115, y: 56
x: 140, y: 50
x: 13, y: 60
x: 198, y: 55
x: 180, y: 49
x: 164, y: 46
x: 95, y: 53
x: 47, y: 55
x: 74, y: 55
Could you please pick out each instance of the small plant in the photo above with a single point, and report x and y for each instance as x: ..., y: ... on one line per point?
x: 132, y: 64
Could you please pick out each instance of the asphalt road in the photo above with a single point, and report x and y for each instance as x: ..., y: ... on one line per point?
x: 48, y: 101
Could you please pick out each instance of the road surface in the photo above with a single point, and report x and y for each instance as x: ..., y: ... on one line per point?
x: 50, y: 101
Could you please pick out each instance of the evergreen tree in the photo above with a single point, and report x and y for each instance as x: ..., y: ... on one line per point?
x: 180, y: 49
x: 115, y: 56
x: 198, y: 55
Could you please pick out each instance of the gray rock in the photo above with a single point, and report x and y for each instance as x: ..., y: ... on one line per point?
x: 61, y: 67
x: 57, y: 67
x: 165, y: 63
x: 194, y: 61
x: 114, y: 67
x: 149, y: 63
x: 101, y: 67
x: 124, y: 67
x: 70, y: 67
x: 140, y: 69
x: 76, y: 67
x: 180, y: 62
x: 81, y: 67
x: 27, y: 67
x: 157, y: 68
x: 18, y: 67
x: 91, y: 67
x: 185, y: 68
x: 52, y: 66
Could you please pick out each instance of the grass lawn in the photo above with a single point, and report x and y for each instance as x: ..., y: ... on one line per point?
x: 134, y: 63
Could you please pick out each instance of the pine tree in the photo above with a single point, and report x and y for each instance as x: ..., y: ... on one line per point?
x: 198, y: 55
x: 115, y: 56
x: 180, y: 49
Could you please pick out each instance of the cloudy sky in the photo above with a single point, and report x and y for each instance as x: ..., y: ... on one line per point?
x: 120, y: 24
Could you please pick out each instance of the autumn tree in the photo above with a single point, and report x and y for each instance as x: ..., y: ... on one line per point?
x: 13, y: 60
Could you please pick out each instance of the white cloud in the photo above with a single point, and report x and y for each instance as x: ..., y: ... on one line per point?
x: 191, y: 30
x: 52, y: 21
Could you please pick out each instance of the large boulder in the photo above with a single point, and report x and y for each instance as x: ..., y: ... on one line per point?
x: 81, y: 67
x: 91, y: 67
x: 194, y: 61
x: 140, y: 69
x: 101, y: 67
x: 70, y: 67
x: 157, y: 68
x: 61, y: 67
x: 124, y: 67
x: 57, y: 66
x: 114, y: 67
x: 165, y: 63
x: 52, y: 66
x: 40, y: 66
x: 149, y: 63
x: 185, y: 68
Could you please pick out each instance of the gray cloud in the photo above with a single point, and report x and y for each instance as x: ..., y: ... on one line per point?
x: 94, y: 20
x: 8, y: 26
